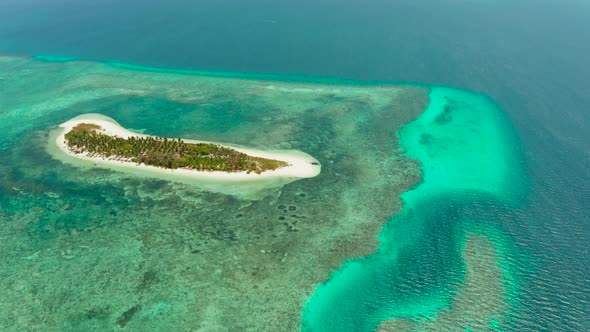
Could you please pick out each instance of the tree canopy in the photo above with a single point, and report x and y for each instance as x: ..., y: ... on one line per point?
x: 164, y: 152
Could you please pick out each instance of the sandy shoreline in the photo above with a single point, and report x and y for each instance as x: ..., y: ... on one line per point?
x: 300, y: 163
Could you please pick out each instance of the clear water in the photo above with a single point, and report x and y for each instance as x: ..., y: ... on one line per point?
x: 92, y: 249
x: 469, y: 156
x: 528, y: 56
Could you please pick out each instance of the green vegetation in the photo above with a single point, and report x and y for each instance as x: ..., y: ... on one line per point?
x: 164, y: 152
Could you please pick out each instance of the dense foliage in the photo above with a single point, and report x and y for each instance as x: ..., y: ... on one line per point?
x: 166, y: 153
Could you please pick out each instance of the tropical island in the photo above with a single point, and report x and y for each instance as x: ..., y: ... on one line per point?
x: 100, y: 139
x: 165, y: 153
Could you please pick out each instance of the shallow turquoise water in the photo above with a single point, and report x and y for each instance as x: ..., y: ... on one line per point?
x: 493, y: 47
x: 93, y: 249
x: 469, y: 156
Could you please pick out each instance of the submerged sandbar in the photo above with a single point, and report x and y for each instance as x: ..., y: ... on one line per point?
x: 100, y: 139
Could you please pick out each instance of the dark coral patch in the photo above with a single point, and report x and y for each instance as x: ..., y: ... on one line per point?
x: 426, y: 139
x: 128, y: 315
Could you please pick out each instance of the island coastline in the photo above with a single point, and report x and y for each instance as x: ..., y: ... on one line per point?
x: 300, y: 164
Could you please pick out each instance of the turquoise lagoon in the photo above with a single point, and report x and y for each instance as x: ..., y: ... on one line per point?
x: 94, y: 249
x: 469, y: 156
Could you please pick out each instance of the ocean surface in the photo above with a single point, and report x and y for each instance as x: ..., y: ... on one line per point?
x: 493, y: 230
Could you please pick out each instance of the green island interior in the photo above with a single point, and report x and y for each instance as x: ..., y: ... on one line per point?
x: 164, y: 152
x: 95, y: 249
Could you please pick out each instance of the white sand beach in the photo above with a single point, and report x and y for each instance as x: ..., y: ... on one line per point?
x: 301, y: 165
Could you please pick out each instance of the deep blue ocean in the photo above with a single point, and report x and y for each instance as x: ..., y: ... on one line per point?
x: 531, y: 57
